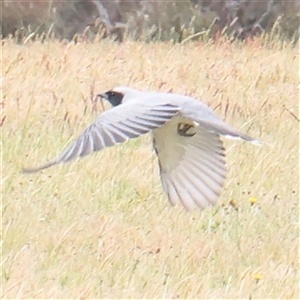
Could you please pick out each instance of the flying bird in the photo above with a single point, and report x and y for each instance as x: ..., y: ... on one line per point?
x: 186, y: 138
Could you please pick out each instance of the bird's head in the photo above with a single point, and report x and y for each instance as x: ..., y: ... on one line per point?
x: 119, y: 95
x: 114, y: 97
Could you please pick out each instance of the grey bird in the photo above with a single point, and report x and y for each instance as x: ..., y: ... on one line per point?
x: 186, y: 138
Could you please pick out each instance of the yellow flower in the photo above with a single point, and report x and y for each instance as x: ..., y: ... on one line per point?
x: 253, y: 200
x: 257, y: 276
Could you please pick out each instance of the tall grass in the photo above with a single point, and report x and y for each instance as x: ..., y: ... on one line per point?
x: 101, y: 227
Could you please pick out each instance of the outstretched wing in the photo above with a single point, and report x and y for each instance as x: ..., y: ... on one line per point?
x: 192, y: 165
x: 117, y: 125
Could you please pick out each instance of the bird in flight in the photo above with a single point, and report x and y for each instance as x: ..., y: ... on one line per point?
x: 186, y: 138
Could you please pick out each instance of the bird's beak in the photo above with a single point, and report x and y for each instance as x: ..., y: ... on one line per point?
x: 101, y: 96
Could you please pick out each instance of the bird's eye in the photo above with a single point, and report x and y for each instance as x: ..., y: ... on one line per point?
x: 113, y: 94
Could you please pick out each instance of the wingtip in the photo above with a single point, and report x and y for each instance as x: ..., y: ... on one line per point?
x: 37, y: 169
x: 29, y: 170
x: 257, y: 142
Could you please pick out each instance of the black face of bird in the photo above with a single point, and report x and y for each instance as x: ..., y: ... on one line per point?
x: 115, y: 98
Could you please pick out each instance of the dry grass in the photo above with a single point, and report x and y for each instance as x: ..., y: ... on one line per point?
x: 101, y: 227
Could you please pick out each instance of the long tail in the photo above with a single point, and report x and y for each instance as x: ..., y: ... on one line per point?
x: 228, y: 131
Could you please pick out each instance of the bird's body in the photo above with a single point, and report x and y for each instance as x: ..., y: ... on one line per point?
x: 186, y: 138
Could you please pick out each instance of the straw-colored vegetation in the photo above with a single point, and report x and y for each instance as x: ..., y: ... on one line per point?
x: 101, y: 227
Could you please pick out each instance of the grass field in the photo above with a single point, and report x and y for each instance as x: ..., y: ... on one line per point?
x: 101, y: 227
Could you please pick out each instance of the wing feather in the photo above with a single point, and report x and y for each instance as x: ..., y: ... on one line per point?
x: 180, y: 186
x: 117, y: 125
x: 210, y: 163
x: 208, y: 187
x: 98, y: 141
x: 172, y: 193
x: 197, y: 191
x: 192, y: 168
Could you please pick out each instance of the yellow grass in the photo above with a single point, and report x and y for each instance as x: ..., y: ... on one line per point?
x: 101, y: 227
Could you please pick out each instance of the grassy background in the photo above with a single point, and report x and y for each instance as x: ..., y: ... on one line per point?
x: 101, y: 227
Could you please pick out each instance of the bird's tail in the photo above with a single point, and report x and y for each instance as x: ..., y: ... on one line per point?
x: 228, y: 131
